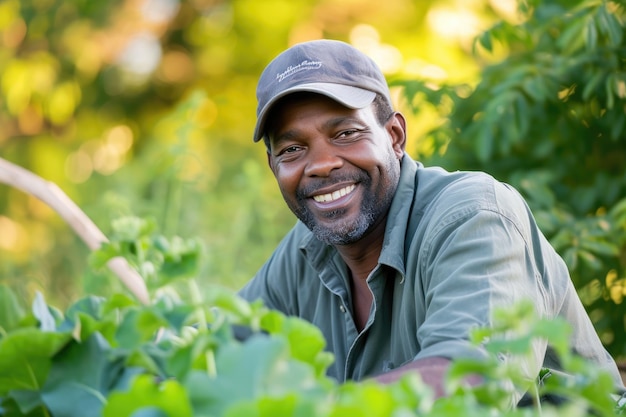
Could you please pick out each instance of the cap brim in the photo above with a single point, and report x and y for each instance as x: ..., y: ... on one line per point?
x: 351, y: 97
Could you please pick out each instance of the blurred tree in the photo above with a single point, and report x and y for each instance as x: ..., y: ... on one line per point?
x: 103, y: 99
x: 550, y: 118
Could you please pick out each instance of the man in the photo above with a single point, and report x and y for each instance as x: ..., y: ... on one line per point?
x: 394, y: 262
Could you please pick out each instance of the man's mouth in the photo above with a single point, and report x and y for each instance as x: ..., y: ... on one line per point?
x: 335, y: 195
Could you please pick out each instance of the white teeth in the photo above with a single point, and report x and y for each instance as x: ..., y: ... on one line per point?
x: 325, y: 198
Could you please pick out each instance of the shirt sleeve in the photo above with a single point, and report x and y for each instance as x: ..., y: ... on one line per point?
x: 477, y: 259
x: 274, y: 282
x: 260, y: 288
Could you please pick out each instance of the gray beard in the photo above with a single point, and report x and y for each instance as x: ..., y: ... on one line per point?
x: 341, y: 234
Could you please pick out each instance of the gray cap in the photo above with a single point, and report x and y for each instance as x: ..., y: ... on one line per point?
x: 332, y: 68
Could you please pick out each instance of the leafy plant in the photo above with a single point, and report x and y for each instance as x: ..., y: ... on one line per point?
x: 548, y: 116
x: 218, y: 355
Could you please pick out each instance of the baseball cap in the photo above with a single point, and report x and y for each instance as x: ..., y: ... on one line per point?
x: 329, y: 67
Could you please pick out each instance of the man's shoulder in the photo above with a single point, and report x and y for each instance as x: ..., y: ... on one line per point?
x: 435, y: 183
x: 445, y: 193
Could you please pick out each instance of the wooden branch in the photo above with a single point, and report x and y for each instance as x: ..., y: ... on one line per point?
x: 54, y: 197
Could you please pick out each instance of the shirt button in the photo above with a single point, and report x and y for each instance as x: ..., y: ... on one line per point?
x: 342, y: 308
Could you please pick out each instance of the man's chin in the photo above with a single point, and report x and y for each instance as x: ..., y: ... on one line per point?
x: 338, y: 234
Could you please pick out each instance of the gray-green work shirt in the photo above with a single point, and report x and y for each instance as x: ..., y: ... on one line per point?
x: 457, y: 245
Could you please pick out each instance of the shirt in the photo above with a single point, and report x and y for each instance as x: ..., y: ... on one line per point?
x: 456, y: 246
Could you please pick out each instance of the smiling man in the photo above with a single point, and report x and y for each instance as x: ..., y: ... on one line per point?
x: 394, y: 262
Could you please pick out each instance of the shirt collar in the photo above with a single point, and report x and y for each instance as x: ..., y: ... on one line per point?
x: 393, y: 250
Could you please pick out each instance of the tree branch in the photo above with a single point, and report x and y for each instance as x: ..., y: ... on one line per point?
x: 54, y: 197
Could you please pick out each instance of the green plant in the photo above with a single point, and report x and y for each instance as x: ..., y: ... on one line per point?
x: 548, y: 116
x: 217, y: 355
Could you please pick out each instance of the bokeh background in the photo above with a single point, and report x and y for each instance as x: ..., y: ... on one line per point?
x: 146, y: 108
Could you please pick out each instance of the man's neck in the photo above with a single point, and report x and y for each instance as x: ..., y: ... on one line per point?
x: 362, y: 257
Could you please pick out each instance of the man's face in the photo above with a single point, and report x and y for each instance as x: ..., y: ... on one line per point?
x: 337, y: 168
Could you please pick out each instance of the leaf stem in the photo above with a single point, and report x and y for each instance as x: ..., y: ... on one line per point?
x: 211, y: 366
x: 534, y: 389
x: 196, y: 300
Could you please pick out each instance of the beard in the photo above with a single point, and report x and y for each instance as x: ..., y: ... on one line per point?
x: 374, y: 206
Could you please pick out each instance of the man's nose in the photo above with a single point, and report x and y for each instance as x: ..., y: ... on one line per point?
x: 322, y: 159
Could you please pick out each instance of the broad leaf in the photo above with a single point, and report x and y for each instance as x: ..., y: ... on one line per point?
x: 10, y: 309
x: 261, y: 366
x: 147, y: 396
x: 25, y: 357
x: 79, y: 379
x: 42, y: 312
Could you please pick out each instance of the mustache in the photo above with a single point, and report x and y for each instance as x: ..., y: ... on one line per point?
x: 313, y: 186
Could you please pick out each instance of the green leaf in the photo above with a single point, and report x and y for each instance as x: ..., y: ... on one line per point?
x: 592, y: 84
x: 591, y: 34
x: 590, y: 260
x: 191, y: 356
x: 273, y: 321
x: 535, y: 187
x: 181, y: 257
x: 11, y: 310
x: 617, y: 127
x: 138, y: 327
x: 261, y: 366
x: 90, y: 305
x: 512, y: 345
x: 556, y: 331
x: 131, y: 229
x: 107, y: 251
x: 484, y: 142
x: 368, y: 399
x: 600, y: 247
x: 150, y: 412
x: 117, y: 302
x: 609, y: 23
x: 465, y: 406
x: 47, y: 322
x: 231, y: 303
x: 169, y: 397
x: 85, y: 317
x: 79, y: 379
x: 535, y: 87
x: 149, y: 358
x: 28, y: 401
x: 25, y: 359
x: 570, y: 256
x: 289, y: 405
x: 306, y: 343
x: 178, y: 316
x: 573, y: 37
x: 609, y: 88
x: 484, y: 40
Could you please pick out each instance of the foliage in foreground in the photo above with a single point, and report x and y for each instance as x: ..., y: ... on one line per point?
x: 217, y: 355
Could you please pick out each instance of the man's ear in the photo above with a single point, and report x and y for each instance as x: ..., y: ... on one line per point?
x: 396, y: 127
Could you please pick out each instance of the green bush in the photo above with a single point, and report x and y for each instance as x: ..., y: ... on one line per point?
x: 550, y: 119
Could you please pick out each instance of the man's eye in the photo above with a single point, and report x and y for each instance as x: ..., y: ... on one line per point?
x: 346, y: 133
x: 289, y: 149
